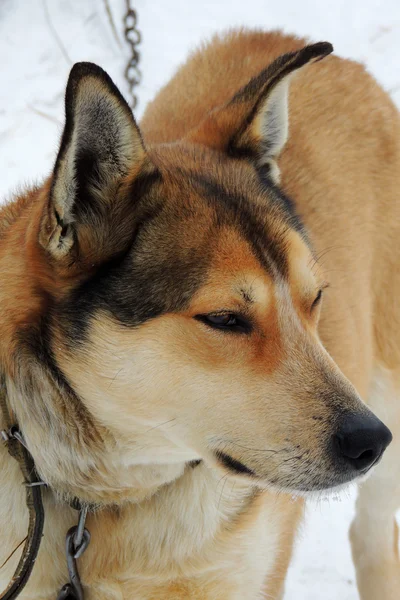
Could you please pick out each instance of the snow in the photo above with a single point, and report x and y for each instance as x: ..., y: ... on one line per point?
x: 41, y: 39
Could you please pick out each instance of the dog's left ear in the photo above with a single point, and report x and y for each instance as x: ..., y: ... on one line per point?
x: 89, y: 213
x: 254, y: 124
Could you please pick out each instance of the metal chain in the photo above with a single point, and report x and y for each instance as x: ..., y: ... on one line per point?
x: 78, y: 538
x: 133, y: 38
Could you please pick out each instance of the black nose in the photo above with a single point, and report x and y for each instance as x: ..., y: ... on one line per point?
x: 361, y: 440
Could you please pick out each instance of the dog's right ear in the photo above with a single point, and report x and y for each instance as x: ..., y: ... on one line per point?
x: 254, y: 124
x: 88, y: 214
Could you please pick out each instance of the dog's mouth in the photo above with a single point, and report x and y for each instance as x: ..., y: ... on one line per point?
x: 313, y: 478
x: 350, y: 451
x: 232, y: 465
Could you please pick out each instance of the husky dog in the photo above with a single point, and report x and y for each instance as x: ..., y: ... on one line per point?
x: 172, y: 351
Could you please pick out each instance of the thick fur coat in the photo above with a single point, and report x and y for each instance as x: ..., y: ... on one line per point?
x: 192, y: 316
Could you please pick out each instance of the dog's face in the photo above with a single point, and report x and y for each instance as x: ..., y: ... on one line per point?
x: 186, y: 297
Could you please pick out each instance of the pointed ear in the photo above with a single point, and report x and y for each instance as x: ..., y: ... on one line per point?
x: 101, y: 146
x: 255, y: 122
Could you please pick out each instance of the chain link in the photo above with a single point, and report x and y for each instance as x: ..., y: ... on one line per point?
x: 133, y: 38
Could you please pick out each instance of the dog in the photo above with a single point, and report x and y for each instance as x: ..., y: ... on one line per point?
x: 193, y: 314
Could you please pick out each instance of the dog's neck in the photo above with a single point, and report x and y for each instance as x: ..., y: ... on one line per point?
x: 195, y: 525
x: 78, y: 458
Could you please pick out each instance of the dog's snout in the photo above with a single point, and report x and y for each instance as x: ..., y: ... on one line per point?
x: 361, y: 440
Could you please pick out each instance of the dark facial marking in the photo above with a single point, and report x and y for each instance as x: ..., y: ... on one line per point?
x: 195, y: 463
x: 232, y: 464
x: 277, y: 196
x: 153, y: 276
x: 36, y: 342
x: 246, y: 295
x: 234, y: 208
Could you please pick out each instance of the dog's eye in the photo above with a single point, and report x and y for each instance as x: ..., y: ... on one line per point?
x: 226, y: 321
x: 317, y: 300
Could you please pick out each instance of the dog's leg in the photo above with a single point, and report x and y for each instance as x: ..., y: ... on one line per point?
x: 374, y: 532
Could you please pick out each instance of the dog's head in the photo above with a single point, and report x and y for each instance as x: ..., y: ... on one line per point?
x: 183, y: 296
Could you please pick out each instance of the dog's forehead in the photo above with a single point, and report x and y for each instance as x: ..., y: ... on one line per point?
x: 198, y: 186
x: 200, y: 205
x: 201, y: 194
x: 195, y: 178
x: 181, y: 240
x: 234, y: 276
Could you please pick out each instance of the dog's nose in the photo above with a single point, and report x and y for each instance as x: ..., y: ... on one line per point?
x: 361, y: 440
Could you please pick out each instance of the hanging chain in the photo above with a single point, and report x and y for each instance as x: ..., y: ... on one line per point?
x: 133, y: 38
x: 78, y: 538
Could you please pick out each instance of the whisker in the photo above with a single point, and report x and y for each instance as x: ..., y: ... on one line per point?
x: 115, y: 377
x: 257, y: 449
x: 160, y: 425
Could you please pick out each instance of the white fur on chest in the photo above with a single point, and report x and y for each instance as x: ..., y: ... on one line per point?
x: 193, y: 529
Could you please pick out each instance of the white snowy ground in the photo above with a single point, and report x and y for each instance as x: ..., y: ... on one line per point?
x: 41, y: 39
